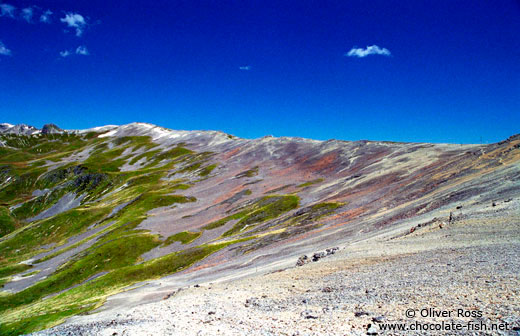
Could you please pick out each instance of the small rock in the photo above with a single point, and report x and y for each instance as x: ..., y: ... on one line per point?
x: 211, y: 313
x: 308, y: 314
x: 360, y: 313
x: 377, y: 319
x: 251, y: 302
x: 327, y: 290
x: 302, y: 260
x: 317, y: 256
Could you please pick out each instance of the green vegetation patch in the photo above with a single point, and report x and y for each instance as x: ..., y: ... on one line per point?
x: 42, y: 321
x: 113, y: 261
x: 7, y: 223
x: 13, y: 269
x: 21, y: 186
x: 207, y: 170
x: 89, y: 295
x: 173, y: 153
x: 30, y: 273
x: 147, y: 155
x: 264, y: 209
x: 248, y: 173
x: 269, y: 207
x: 184, y: 237
x: 307, y: 184
x: 56, y: 229
x: 313, y: 213
x: 105, y: 160
x: 35, y: 206
x: 108, y: 256
x: 223, y: 221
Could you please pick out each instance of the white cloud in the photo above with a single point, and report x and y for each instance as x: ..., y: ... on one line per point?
x: 75, y: 20
x: 27, y: 14
x: 7, y: 10
x: 82, y: 50
x: 4, y: 50
x: 245, y: 68
x: 46, y: 16
x: 369, y: 50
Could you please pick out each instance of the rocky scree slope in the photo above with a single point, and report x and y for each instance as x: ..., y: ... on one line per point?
x: 87, y: 214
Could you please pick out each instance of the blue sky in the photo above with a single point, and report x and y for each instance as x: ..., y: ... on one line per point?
x: 407, y: 70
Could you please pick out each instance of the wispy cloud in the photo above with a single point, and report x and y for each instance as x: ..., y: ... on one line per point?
x: 82, y: 50
x: 46, y: 16
x: 75, y: 20
x: 7, y: 10
x: 369, y: 50
x: 4, y: 50
x: 245, y: 67
x: 27, y: 14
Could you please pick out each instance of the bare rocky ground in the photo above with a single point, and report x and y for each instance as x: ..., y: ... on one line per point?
x: 471, y: 263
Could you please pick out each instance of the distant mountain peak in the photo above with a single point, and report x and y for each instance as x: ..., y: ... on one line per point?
x: 51, y: 129
x: 24, y: 129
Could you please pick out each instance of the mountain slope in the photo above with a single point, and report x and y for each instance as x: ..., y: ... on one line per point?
x: 85, y: 214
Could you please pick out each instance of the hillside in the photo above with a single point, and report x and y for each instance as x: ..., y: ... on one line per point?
x: 88, y: 214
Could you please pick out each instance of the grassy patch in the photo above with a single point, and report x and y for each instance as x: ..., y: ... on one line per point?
x: 51, y: 230
x: 105, y: 160
x: 30, y: 273
x: 118, y: 247
x: 35, y: 206
x: 21, y: 187
x: 207, y: 170
x: 147, y: 155
x: 173, y: 153
x: 248, y: 173
x: 46, y: 313
x: 223, y: 221
x: 269, y: 207
x: 34, y: 323
x: 313, y: 213
x: 13, y: 269
x: 7, y: 223
x: 108, y: 256
x: 264, y: 209
x: 307, y: 184
x: 184, y: 237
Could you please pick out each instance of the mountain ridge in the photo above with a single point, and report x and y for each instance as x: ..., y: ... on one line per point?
x: 88, y: 213
x: 25, y: 129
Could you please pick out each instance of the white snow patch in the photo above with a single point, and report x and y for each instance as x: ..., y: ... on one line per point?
x: 27, y: 262
x: 96, y: 129
x: 107, y: 134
